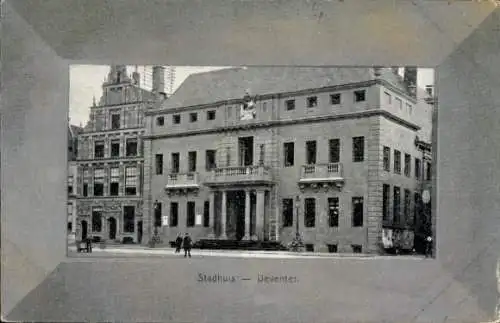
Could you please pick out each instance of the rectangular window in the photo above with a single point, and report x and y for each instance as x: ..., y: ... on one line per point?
x: 332, y: 248
x: 175, y: 163
x: 387, y: 158
x: 131, y: 180
x: 287, y: 212
x: 115, y: 148
x: 418, y: 168
x: 396, y: 205
x: 206, y: 214
x: 356, y: 248
x: 131, y: 147
x: 289, y: 153
x: 310, y: 212
x: 407, y: 165
x: 311, y: 152
x: 210, y: 159
x: 428, y: 171
x: 177, y: 118
x: 97, y: 220
x: 312, y: 101
x: 193, y: 117
x: 386, y: 195
x: 86, y: 179
x: 407, y: 205
x: 192, y: 161
x: 158, y: 212
x: 174, y: 214
x: 159, y: 164
x: 160, y: 121
x: 397, y: 162
x: 335, y: 99
x: 334, y: 150
x: 290, y: 104
x: 333, y: 211
x: 359, y: 96
x: 399, y: 103
x: 357, y: 211
x: 99, y: 149
x: 190, y: 220
x: 99, y: 182
x: 211, y: 115
x: 128, y: 218
x: 114, y: 181
x: 358, y: 149
x: 115, y: 121
x: 388, y: 98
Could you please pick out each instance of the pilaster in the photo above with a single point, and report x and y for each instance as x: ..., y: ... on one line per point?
x: 373, y: 205
x: 259, y: 221
x: 223, y: 215
x: 247, y: 215
x: 211, y: 217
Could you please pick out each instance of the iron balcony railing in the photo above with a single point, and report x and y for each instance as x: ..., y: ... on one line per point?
x: 321, y: 171
x: 182, y: 180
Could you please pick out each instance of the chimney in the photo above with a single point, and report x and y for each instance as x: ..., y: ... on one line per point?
x: 158, y: 79
x: 137, y: 78
x: 410, y: 79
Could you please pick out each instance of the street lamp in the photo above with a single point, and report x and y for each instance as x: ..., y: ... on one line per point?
x: 297, y: 241
x: 153, y: 232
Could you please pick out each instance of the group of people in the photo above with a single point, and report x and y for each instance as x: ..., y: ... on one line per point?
x: 185, y: 243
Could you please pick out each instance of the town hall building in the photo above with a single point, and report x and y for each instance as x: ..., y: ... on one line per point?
x: 261, y: 153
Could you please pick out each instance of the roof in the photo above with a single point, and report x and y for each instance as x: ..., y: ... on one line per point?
x: 232, y: 83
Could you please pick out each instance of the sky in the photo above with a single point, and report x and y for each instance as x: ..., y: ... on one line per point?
x: 86, y: 82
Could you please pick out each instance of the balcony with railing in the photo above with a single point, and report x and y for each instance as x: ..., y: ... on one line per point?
x: 321, y: 174
x: 240, y: 174
x: 182, y: 181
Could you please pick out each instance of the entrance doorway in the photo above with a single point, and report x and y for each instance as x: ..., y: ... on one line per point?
x: 246, y: 151
x: 236, y: 222
x: 84, y: 230
x: 139, y: 231
x: 112, y: 228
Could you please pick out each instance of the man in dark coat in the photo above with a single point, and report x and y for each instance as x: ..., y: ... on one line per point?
x: 186, y: 244
x: 178, y: 243
x: 428, y: 246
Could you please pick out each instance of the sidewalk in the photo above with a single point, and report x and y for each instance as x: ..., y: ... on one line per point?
x: 141, y: 250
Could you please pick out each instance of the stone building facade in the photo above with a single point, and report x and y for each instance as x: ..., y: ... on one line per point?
x: 110, y: 160
x: 246, y: 153
x: 73, y: 132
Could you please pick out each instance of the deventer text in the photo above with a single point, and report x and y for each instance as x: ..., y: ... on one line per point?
x: 270, y: 279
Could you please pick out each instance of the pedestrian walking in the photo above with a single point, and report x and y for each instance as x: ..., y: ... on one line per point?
x: 186, y: 244
x: 178, y: 243
x: 428, y: 246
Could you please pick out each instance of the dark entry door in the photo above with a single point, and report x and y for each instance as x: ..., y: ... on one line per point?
x: 240, y: 215
x: 84, y: 230
x: 139, y: 231
x: 112, y: 228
